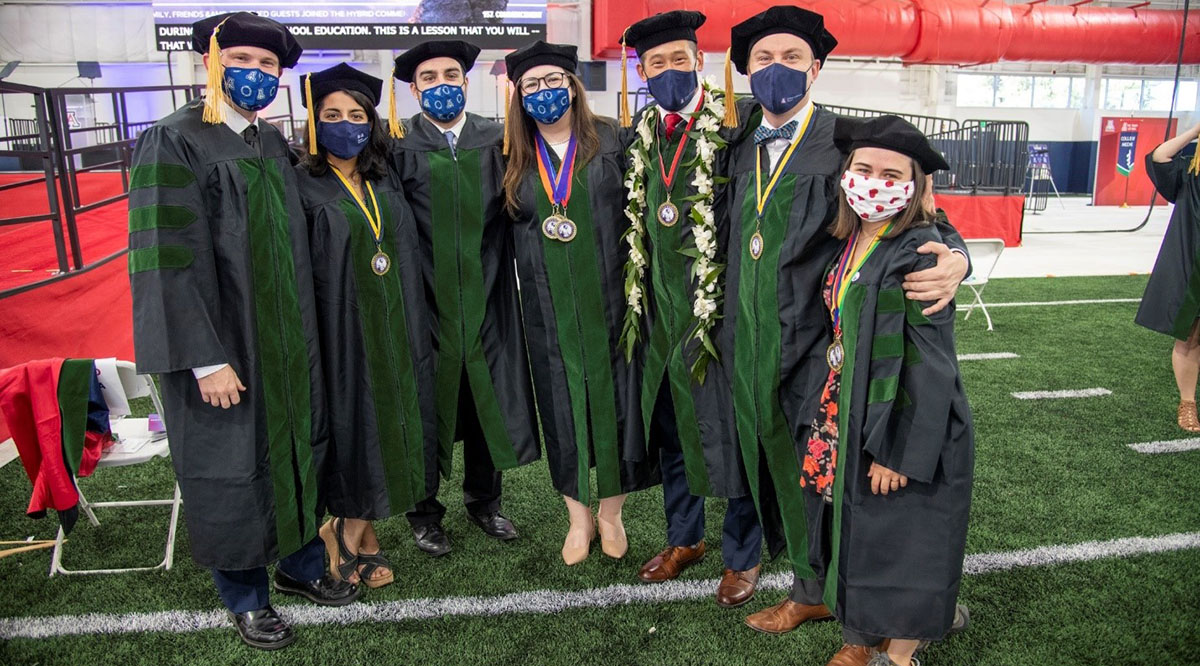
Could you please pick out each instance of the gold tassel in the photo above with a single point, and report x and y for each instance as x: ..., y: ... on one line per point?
x: 394, y: 127
x: 731, y: 113
x: 214, y: 96
x: 312, y: 116
x: 507, y: 124
x: 626, y: 118
x: 1194, y: 167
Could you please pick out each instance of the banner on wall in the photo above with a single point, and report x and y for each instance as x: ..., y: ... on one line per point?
x: 1121, y: 178
x: 391, y: 24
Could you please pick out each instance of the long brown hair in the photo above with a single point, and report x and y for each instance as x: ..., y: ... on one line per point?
x: 522, y: 151
x: 913, y: 215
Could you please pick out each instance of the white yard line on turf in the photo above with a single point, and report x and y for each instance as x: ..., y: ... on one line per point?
x: 1085, y: 301
x: 548, y: 601
x: 1052, y: 395
x: 987, y: 356
x: 1169, y: 446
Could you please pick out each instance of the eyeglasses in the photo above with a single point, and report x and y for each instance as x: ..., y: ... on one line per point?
x: 530, y: 85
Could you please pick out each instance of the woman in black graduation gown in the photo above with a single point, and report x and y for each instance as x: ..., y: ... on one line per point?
x: 1171, y: 303
x: 372, y: 317
x: 887, y: 470
x: 563, y: 188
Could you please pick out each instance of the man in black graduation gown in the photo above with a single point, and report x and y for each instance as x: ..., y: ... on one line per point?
x: 223, y: 312
x: 774, y: 320
x: 689, y: 422
x: 451, y: 165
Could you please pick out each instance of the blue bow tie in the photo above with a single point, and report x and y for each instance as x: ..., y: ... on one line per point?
x: 764, y: 134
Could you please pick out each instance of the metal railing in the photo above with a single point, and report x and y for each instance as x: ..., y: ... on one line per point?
x: 34, y: 144
x: 984, y: 155
x: 62, y: 147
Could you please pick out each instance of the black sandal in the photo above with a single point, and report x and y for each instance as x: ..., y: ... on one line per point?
x: 342, y: 563
x: 370, y: 562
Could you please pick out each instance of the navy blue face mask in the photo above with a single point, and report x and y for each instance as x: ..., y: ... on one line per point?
x: 547, y: 106
x: 778, y: 87
x: 343, y: 138
x: 673, y: 89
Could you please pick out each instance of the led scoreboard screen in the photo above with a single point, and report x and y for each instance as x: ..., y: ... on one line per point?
x: 391, y: 24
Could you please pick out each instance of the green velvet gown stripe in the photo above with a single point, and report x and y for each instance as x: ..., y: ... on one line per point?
x: 381, y: 309
x: 672, y: 315
x: 850, y: 315
x: 762, y: 430
x: 459, y: 292
x: 159, y: 257
x: 283, y: 357
x: 579, y: 313
x: 160, y: 217
x: 74, y: 387
x: 160, y: 174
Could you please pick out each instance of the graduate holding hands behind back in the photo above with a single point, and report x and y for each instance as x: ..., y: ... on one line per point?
x: 451, y: 169
x: 372, y: 315
x: 674, y: 277
x: 564, y: 189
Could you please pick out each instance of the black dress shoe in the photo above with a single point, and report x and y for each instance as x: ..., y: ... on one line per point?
x: 324, y: 591
x: 495, y: 526
x: 432, y: 539
x: 263, y: 629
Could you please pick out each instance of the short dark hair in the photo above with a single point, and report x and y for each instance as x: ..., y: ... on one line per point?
x: 372, y: 161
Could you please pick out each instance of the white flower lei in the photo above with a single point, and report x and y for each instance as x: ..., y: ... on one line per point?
x: 706, y: 270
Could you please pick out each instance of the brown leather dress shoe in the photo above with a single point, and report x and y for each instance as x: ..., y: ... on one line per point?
x: 737, y: 587
x: 852, y: 655
x: 786, y: 616
x: 671, y: 562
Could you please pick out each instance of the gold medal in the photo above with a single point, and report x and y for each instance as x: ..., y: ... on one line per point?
x: 756, y: 246
x: 550, y: 226
x: 668, y: 214
x: 381, y: 263
x: 835, y: 355
x: 566, y: 230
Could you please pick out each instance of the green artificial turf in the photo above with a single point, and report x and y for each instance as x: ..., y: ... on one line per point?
x: 1047, y: 472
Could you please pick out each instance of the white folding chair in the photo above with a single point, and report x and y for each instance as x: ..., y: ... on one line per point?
x: 985, y: 252
x: 136, y: 445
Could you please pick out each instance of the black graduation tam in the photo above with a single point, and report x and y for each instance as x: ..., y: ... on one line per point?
x: 809, y: 26
x: 407, y: 62
x: 340, y: 77
x: 892, y: 133
x: 540, y: 53
x: 246, y: 29
x: 662, y: 28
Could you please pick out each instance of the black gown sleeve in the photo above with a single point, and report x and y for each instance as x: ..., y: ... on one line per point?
x: 919, y: 422
x: 171, y: 266
x: 1167, y: 177
x: 951, y: 237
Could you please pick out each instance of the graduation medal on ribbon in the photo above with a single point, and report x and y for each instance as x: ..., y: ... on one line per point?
x: 557, y: 226
x: 756, y: 245
x: 757, y: 242
x: 835, y: 354
x: 381, y: 263
x: 668, y: 213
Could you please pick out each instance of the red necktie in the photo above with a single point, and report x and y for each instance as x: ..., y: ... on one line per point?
x: 673, y: 120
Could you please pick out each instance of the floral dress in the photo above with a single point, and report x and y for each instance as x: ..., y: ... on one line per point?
x: 820, y: 457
